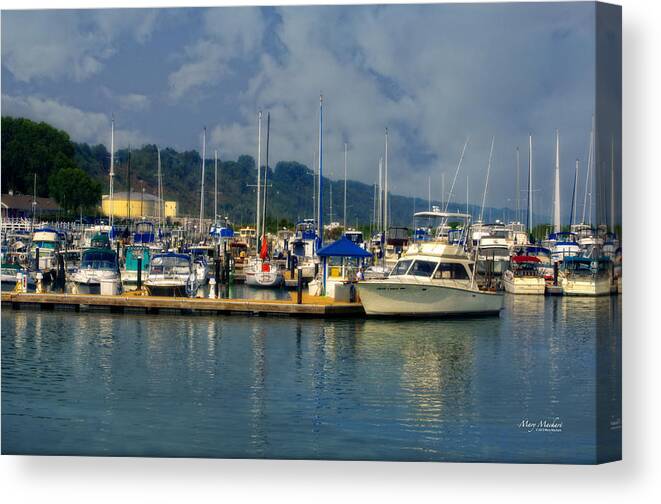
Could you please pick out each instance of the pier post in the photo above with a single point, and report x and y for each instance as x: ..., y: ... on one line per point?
x: 216, y: 272
x: 555, y: 274
x: 61, y: 275
x: 139, y: 272
x: 299, y: 285
x: 36, y: 258
x: 226, y: 263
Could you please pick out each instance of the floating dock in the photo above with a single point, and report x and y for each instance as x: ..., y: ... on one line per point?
x: 312, y: 307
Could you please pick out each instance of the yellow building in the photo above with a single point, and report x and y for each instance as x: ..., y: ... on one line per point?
x: 141, y: 205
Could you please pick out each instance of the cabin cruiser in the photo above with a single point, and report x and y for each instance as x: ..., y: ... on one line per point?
x: 434, y: 278
x: 524, y: 276
x: 171, y: 274
x: 563, y: 245
x: 12, y: 273
x: 545, y: 265
x: 47, y: 241
x: 583, y: 276
x: 200, y: 255
x: 303, y: 246
x: 130, y: 269
x: 493, y: 250
x: 248, y: 235
x: 98, y: 265
x: 516, y: 234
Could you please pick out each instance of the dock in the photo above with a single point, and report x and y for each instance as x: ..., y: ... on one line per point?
x: 311, y: 307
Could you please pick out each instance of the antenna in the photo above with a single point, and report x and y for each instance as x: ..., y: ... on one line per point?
x: 486, y: 182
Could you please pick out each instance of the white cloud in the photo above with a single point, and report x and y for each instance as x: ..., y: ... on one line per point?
x: 67, y: 45
x: 228, y: 35
x: 82, y: 126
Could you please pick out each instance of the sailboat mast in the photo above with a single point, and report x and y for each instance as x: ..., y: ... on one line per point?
x: 215, y: 185
x: 160, y: 188
x: 556, y: 198
x: 429, y: 192
x: 266, y: 171
x: 518, y: 188
x: 587, y: 175
x: 529, y: 216
x: 344, y: 211
x: 321, y: 171
x: 259, y: 174
x: 385, y: 196
x: 112, y: 171
x: 612, y: 191
x: 204, y: 155
x: 486, y: 182
x: 379, y: 219
x: 573, y: 198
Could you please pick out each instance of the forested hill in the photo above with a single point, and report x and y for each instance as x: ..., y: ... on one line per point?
x: 29, y: 147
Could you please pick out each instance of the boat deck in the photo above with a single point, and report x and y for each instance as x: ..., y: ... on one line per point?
x: 316, y: 307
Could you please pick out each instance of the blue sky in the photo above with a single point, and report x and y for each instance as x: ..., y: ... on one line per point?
x: 433, y: 74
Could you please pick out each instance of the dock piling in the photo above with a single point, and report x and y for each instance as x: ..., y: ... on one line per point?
x: 139, y: 272
x: 299, y: 286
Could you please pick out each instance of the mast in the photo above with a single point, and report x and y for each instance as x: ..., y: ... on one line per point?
x: 466, y: 194
x: 215, y: 185
x: 573, y: 198
x: 321, y: 171
x: 587, y: 175
x: 112, y: 171
x: 379, y: 219
x: 259, y: 175
x: 385, y: 196
x: 266, y: 171
x: 160, y: 188
x: 556, y: 198
x: 456, y: 173
x: 486, y: 182
x: 442, y: 189
x: 612, y: 191
x: 344, y: 212
x: 314, y: 185
x: 518, y: 188
x: 128, y: 169
x: 204, y: 155
x: 429, y: 191
x: 529, y: 216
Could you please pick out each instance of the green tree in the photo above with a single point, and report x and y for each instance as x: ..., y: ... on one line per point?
x: 73, y: 189
x: 30, y: 148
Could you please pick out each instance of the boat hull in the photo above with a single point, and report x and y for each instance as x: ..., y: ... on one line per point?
x: 383, y: 298
x: 586, y: 287
x: 524, y: 285
x: 167, y: 290
x: 264, y: 279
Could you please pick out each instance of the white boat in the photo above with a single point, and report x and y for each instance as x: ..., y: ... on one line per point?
x: 129, y: 272
x: 97, y: 266
x: 524, y: 276
x: 434, y: 279
x: 261, y: 273
x: 172, y: 275
x: 582, y: 276
x: 563, y: 245
x: 494, y: 250
x: 47, y: 241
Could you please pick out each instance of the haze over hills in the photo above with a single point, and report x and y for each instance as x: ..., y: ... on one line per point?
x: 290, y: 191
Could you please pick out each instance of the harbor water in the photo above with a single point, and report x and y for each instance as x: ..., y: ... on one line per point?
x: 516, y: 388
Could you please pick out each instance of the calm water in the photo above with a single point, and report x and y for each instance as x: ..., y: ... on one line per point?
x: 237, y: 386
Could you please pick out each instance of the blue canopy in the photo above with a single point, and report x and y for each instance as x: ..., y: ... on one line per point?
x: 343, y: 248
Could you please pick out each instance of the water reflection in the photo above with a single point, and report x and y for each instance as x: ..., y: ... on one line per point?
x: 278, y: 387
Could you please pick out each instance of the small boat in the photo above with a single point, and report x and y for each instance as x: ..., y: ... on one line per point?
x: 97, y: 266
x: 130, y: 269
x: 583, y: 276
x: 563, y: 245
x: 10, y: 273
x: 261, y: 273
x: 47, y: 241
x: 524, y: 276
x: 171, y: 274
x: 200, y: 255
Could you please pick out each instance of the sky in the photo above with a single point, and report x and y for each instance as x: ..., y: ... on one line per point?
x: 434, y: 75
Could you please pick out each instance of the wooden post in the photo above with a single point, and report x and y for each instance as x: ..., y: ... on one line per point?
x: 555, y: 274
x: 139, y: 272
x: 299, y: 286
x: 36, y: 257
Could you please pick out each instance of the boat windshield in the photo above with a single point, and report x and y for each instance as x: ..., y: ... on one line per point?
x: 495, y: 252
x: 165, y: 264
x: 401, y: 267
x: 99, y: 260
x: 44, y: 245
x: 451, y: 271
x: 422, y: 268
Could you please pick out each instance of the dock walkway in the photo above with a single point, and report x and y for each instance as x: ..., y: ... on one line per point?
x: 310, y: 307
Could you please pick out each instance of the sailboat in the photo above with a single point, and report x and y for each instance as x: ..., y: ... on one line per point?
x: 263, y: 273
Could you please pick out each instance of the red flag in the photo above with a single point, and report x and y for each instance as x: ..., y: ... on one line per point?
x: 264, y: 252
